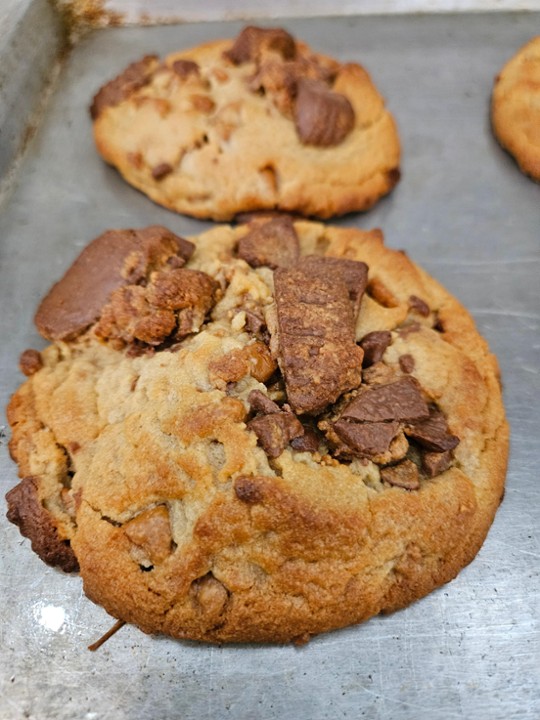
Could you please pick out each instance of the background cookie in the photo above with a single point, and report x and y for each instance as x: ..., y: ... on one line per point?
x: 515, y: 107
x: 257, y: 123
x: 271, y: 431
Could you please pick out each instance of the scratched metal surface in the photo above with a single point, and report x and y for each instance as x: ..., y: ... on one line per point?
x: 462, y: 209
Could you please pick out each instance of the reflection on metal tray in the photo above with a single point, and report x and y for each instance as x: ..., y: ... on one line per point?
x: 465, y: 212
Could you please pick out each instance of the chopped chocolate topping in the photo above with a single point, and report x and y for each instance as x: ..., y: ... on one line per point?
x: 30, y: 362
x: 259, y: 402
x: 273, y: 243
x: 435, y: 463
x: 317, y: 352
x: 406, y: 330
x: 255, y: 324
x: 185, y: 68
x: 111, y: 261
x: 175, y: 302
x: 352, y: 272
x: 403, y: 475
x: 400, y: 400
x: 275, y: 431
x: 322, y: 117
x: 406, y: 363
x: 252, y: 41
x: 366, y: 439
x: 308, y: 442
x: 432, y: 433
x: 419, y: 306
x: 162, y: 170
x: 35, y: 523
x: 374, y: 345
x: 135, y: 76
x: 247, y: 490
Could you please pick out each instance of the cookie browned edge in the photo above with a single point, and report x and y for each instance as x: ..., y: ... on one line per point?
x: 506, y: 130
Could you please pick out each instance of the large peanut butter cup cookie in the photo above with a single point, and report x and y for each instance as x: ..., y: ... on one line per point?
x: 515, y: 108
x: 257, y: 123
x: 258, y: 434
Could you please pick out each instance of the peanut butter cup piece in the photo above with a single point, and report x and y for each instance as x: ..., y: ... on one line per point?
x: 322, y: 117
x: 114, y: 259
x: 317, y: 352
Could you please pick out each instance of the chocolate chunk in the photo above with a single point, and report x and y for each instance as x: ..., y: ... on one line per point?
x: 352, y: 272
x: 109, y: 262
x: 135, y: 76
x: 308, y: 442
x: 403, y: 475
x: 317, y: 352
x: 419, y: 306
x: 374, y: 345
x: 252, y: 41
x: 185, y: 68
x: 274, y: 432
x: 273, y: 243
x: 432, y: 433
x: 255, y: 324
x: 30, y: 362
x: 400, y: 400
x: 34, y: 522
x: 366, y: 439
x: 175, y: 302
x: 259, y: 402
x: 162, y: 170
x: 248, y: 490
x: 406, y: 363
x: 322, y: 117
x: 435, y: 463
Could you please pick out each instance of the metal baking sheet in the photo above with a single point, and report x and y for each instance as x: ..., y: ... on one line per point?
x: 465, y: 212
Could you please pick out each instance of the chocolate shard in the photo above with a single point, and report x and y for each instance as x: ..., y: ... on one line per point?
x: 252, y: 41
x: 162, y: 170
x: 435, y: 463
x: 322, y: 117
x: 366, y: 439
x: 275, y: 431
x: 255, y: 323
x: 135, y: 76
x: 273, y: 243
x: 432, y: 433
x: 259, y: 402
x: 316, y: 346
x: 403, y: 475
x: 35, y: 523
x: 374, y: 345
x: 406, y: 363
x: 308, y: 442
x: 30, y: 362
x: 352, y: 272
x: 114, y: 259
x: 399, y: 400
x: 185, y: 68
x: 248, y: 490
x: 418, y: 305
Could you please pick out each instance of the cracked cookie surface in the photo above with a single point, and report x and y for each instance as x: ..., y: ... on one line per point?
x: 257, y: 123
x: 515, y: 108
x: 186, y: 475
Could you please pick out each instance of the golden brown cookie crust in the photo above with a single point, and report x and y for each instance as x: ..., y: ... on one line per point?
x: 515, y: 107
x: 207, y: 145
x: 258, y: 549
